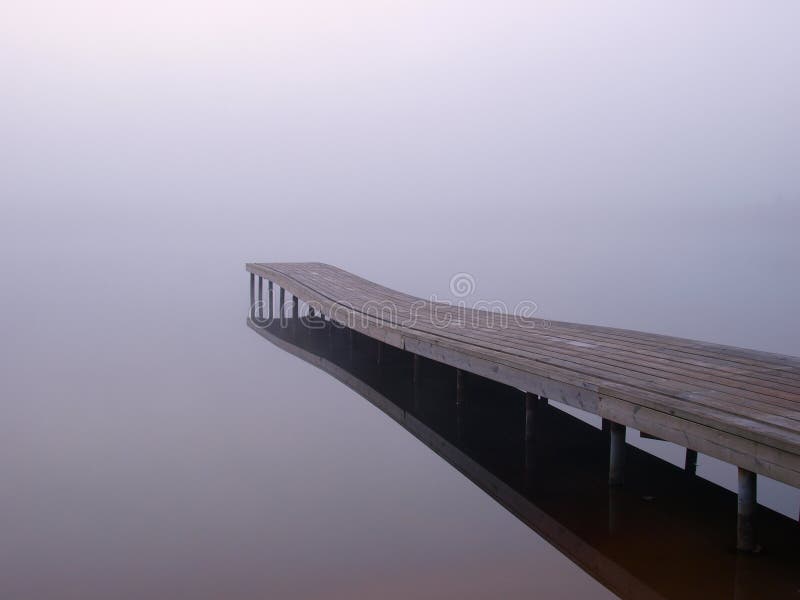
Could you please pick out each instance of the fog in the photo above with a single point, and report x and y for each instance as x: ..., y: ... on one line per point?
x: 616, y: 163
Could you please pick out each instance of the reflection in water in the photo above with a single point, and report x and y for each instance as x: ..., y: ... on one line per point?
x: 664, y: 534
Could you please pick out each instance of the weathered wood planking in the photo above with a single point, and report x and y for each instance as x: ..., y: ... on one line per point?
x: 741, y: 406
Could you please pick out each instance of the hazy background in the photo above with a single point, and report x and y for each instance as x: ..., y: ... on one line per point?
x: 617, y: 163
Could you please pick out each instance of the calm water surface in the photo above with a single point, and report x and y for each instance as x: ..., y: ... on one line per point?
x: 154, y: 446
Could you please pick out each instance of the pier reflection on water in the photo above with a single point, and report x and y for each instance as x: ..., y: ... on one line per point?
x: 664, y: 534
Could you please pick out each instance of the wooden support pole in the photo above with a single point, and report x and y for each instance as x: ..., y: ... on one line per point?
x: 746, y: 514
x: 295, y: 307
x: 271, y: 297
x: 252, y: 294
x: 281, y: 302
x: 616, y: 457
x: 351, y: 345
x: 460, y: 416
x: 690, y: 464
x: 260, y: 297
x: 531, y: 404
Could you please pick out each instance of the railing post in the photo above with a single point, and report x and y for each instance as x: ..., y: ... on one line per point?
x: 281, y: 302
x: 252, y: 294
x: 271, y: 299
x: 260, y: 297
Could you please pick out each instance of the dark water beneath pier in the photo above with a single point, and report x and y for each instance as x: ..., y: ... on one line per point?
x: 553, y: 475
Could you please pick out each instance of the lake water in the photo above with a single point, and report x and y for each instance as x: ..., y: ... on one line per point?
x: 616, y: 167
x: 154, y: 446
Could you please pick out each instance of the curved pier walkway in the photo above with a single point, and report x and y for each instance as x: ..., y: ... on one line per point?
x: 740, y: 406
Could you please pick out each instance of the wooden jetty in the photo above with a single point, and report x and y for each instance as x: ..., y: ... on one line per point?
x: 664, y: 535
x: 738, y: 405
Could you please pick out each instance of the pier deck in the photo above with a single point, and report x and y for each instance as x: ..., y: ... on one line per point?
x: 738, y: 405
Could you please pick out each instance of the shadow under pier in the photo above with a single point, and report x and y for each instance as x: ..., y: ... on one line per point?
x: 663, y: 534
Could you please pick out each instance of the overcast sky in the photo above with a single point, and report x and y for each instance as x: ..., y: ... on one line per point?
x: 649, y: 150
